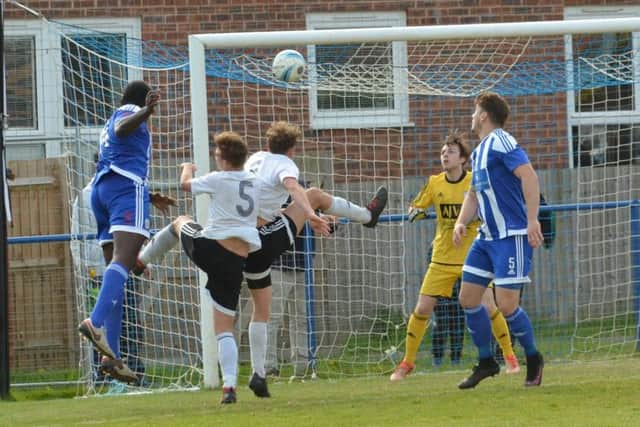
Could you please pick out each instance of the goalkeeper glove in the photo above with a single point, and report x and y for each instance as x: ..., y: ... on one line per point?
x: 416, y: 214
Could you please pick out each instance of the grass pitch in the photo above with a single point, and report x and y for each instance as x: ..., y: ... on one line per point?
x: 573, y: 394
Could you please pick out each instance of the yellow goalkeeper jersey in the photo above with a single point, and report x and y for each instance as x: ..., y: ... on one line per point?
x: 447, y: 197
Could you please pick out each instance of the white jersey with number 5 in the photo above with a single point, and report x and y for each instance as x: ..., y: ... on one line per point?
x: 272, y: 170
x: 233, y: 208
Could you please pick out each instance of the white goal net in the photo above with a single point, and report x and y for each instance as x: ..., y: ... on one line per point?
x: 375, y: 112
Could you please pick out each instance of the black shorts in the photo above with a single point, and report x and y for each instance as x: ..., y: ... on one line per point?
x: 277, y: 237
x: 223, y: 268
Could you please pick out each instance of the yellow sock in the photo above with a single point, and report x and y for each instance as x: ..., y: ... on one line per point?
x: 416, y: 329
x: 501, y: 332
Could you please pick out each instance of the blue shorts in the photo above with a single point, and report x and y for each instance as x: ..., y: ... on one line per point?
x: 506, y: 261
x: 119, y: 204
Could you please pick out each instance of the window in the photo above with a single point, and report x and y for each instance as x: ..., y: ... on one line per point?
x: 359, y: 85
x: 24, y: 85
x: 20, y: 57
x: 51, y: 79
x: 604, y: 114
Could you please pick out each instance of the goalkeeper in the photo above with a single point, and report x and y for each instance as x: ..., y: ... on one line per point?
x: 445, y: 192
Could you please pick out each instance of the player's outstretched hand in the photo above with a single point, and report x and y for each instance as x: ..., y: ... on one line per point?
x: 333, y: 222
x: 188, y: 165
x: 534, y: 234
x: 459, y: 232
x: 320, y: 225
x: 162, y: 202
x: 416, y: 214
x: 152, y: 99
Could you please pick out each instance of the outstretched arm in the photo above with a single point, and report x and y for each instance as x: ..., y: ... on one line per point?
x: 418, y: 206
x: 130, y: 123
x: 186, y: 175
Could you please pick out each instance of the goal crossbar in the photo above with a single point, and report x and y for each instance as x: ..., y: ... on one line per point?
x: 432, y: 32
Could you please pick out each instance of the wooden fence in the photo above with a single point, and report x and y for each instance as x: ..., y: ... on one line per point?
x: 42, y: 314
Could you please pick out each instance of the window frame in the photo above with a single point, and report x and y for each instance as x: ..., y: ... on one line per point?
x: 605, y: 118
x: 398, y: 116
x: 50, y: 130
x: 30, y: 28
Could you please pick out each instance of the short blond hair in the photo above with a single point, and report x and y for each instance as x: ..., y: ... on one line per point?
x: 281, y: 136
x: 232, y: 148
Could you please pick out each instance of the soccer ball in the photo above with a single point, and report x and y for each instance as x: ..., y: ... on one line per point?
x: 288, y: 66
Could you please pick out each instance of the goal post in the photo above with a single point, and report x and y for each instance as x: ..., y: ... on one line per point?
x: 200, y: 136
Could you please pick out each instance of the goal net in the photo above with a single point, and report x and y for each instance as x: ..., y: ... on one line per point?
x: 375, y: 106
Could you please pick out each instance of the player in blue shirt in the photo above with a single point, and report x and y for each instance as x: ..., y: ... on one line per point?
x: 120, y: 201
x: 505, y: 194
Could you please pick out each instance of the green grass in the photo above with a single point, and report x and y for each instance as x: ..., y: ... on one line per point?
x: 42, y: 375
x: 573, y: 394
x: 363, y: 353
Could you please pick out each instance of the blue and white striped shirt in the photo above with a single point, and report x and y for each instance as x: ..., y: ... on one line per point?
x: 501, y: 205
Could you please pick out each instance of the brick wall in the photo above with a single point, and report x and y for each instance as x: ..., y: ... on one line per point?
x: 170, y: 21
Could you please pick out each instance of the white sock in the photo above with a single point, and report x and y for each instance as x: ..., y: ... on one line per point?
x: 159, y: 245
x: 343, y: 208
x: 228, y: 359
x: 258, y: 346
